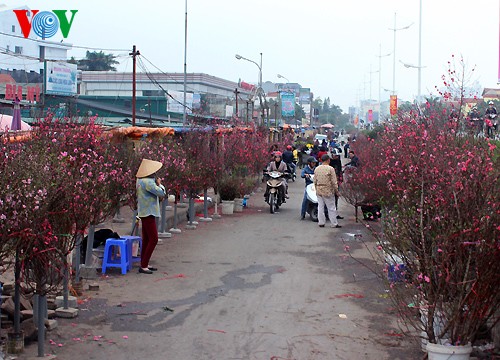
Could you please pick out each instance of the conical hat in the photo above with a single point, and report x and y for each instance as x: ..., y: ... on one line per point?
x: 148, y: 167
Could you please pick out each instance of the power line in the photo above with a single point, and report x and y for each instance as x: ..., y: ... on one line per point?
x: 166, y: 74
x: 38, y: 59
x: 73, y: 46
x: 154, y: 81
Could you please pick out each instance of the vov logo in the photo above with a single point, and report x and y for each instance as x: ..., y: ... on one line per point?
x: 45, y: 23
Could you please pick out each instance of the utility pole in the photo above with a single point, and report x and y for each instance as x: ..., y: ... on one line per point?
x: 236, y: 92
x: 276, y: 113
x: 134, y: 54
x: 248, y: 106
x: 420, y: 54
x: 184, y: 115
x: 149, y: 107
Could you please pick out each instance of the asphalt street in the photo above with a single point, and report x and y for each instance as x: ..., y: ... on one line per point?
x: 252, y: 285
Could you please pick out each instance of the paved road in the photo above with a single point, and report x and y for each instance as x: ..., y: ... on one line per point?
x: 248, y: 286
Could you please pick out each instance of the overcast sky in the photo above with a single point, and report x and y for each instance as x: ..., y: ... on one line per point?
x: 327, y: 45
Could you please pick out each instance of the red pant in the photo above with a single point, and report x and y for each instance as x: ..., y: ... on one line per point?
x: 149, y: 239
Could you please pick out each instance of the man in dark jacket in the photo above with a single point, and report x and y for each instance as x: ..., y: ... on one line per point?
x: 288, y: 158
x: 306, y: 173
x: 354, y: 159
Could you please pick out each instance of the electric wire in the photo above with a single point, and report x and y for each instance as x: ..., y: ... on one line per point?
x: 74, y: 46
x: 154, y: 81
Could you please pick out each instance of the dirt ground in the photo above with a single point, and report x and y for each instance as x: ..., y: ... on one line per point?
x: 248, y: 286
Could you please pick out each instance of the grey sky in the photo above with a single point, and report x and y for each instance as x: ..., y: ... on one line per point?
x: 327, y: 45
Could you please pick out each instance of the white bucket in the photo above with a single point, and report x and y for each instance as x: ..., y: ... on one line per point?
x: 448, y: 352
x: 238, y: 205
x: 227, y: 207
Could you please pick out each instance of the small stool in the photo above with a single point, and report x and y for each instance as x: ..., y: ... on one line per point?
x: 110, y: 251
x: 131, y: 240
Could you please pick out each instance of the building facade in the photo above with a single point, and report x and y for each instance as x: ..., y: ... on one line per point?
x: 26, y: 54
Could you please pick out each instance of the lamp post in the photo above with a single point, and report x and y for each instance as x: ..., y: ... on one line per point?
x: 410, y: 66
x: 394, y: 54
x: 259, y: 90
x: 380, y: 56
x: 282, y: 77
x: 420, y: 53
x: 184, y: 114
x: 287, y: 81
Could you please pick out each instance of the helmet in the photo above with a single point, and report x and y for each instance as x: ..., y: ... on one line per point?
x: 311, y: 159
x: 277, y: 153
x: 289, y: 147
x: 491, y: 103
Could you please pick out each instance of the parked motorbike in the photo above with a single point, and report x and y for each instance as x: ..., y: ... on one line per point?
x: 275, y: 195
x: 312, y: 203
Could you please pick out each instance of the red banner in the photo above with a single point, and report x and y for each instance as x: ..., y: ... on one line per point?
x: 394, y: 105
x: 246, y: 86
x: 370, y: 116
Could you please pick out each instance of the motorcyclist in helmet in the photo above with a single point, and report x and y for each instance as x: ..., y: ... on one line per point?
x: 476, y: 121
x: 306, y: 173
x: 288, y: 158
x: 278, y: 165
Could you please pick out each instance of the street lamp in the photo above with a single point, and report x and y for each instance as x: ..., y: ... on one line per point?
x: 406, y: 65
x: 239, y: 57
x: 420, y: 53
x: 282, y: 77
x: 380, y: 56
x: 410, y: 66
x: 394, y: 54
x: 259, y: 90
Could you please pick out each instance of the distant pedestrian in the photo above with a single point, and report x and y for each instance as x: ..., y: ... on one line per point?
x: 346, y: 149
x: 325, y: 182
x: 150, y: 192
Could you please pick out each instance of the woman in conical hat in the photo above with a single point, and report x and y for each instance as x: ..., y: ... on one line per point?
x: 149, y: 193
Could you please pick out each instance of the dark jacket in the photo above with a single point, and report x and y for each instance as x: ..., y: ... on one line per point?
x: 337, y: 165
x: 307, y: 170
x: 288, y: 156
x: 354, y: 161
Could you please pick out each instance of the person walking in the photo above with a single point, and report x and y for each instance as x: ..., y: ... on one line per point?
x: 336, y: 163
x: 325, y: 182
x: 150, y: 192
x: 346, y: 149
x: 306, y: 173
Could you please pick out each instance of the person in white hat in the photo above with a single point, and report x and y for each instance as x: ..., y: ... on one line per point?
x: 149, y: 193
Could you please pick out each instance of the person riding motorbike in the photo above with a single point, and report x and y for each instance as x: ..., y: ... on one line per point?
x: 288, y: 158
x: 306, y: 173
x: 476, y: 121
x: 278, y: 165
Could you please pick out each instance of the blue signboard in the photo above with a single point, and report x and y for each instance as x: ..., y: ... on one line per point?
x: 287, y: 104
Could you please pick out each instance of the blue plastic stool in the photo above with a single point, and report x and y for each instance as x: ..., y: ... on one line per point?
x: 110, y: 255
x: 130, y: 242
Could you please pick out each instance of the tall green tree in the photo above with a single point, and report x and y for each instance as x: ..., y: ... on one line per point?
x: 299, y: 112
x: 97, y: 61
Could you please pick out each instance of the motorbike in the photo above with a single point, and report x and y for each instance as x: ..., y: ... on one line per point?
x: 274, y: 195
x: 491, y: 124
x: 312, y: 203
x: 293, y: 174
